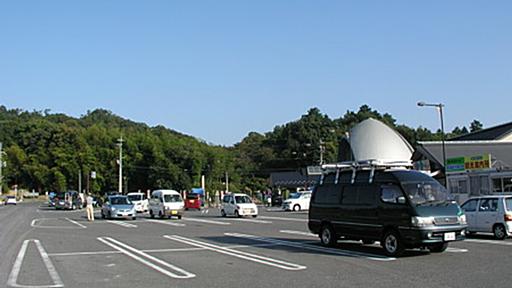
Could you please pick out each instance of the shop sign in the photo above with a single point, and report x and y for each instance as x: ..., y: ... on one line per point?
x: 472, y: 163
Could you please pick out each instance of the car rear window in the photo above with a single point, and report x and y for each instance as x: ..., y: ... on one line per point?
x: 508, y: 203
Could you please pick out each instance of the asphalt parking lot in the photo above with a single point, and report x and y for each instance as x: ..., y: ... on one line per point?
x: 42, y: 247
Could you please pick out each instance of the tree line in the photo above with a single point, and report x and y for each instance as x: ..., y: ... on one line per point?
x: 50, y: 152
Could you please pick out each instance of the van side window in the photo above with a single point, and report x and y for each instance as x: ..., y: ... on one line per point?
x: 488, y: 205
x: 470, y: 206
x: 349, y: 195
x: 327, y: 194
x: 366, y: 195
x: 390, y: 194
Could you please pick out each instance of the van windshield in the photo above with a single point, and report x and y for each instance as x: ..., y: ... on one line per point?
x: 135, y: 197
x: 172, y: 198
x: 430, y: 192
x: 243, y: 199
x: 295, y: 196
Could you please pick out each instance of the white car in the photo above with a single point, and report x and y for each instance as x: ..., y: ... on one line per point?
x: 139, y: 200
x: 238, y: 205
x: 298, y: 201
x: 491, y: 214
x: 166, y: 203
x: 10, y: 200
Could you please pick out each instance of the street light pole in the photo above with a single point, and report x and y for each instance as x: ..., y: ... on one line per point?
x: 439, y: 108
x: 120, y: 144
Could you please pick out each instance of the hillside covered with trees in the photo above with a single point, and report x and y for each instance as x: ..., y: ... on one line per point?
x: 48, y: 152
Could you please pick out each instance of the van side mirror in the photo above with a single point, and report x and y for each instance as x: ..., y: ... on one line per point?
x: 400, y: 200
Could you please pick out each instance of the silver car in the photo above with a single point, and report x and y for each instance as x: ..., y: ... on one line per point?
x: 118, y: 206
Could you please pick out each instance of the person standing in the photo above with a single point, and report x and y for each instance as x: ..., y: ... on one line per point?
x: 90, y: 208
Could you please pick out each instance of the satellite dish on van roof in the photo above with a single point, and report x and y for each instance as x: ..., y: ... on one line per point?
x: 374, y: 140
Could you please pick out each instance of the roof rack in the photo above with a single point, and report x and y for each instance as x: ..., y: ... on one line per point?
x: 372, y: 165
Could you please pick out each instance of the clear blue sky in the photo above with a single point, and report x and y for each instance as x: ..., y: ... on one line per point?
x: 218, y: 69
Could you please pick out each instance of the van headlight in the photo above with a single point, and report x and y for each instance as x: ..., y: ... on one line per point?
x: 422, y: 221
x: 462, y: 219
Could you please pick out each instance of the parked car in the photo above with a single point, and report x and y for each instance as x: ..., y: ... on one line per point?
x: 400, y: 208
x: 193, y: 201
x: 238, y: 205
x: 166, y: 203
x: 118, y: 206
x: 10, y: 200
x: 298, y: 201
x: 68, y: 200
x: 491, y: 214
x: 277, y: 201
x: 139, y: 200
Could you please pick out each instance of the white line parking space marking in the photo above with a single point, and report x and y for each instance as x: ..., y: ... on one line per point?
x: 299, y: 233
x: 284, y: 219
x: 143, y: 258
x: 13, y: 277
x: 456, y: 250
x: 238, y: 254
x: 124, y: 224
x: 207, y: 221
x: 35, y: 224
x: 165, y: 222
x: 249, y: 220
x: 76, y: 223
x: 483, y: 241
x: 314, y: 248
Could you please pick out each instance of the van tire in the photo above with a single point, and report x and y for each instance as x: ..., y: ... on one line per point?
x: 499, y: 231
x: 151, y: 214
x: 392, y: 244
x: 222, y: 213
x: 102, y: 215
x: 438, y: 248
x: 296, y: 207
x: 328, y: 236
x: 179, y: 217
x: 160, y: 214
x: 237, y: 215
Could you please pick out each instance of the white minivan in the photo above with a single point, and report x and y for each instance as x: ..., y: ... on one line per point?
x: 491, y: 214
x: 166, y: 203
x: 238, y: 205
x: 139, y: 200
x: 298, y: 201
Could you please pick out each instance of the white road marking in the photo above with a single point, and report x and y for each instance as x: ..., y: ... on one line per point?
x: 76, y: 223
x: 299, y: 233
x: 456, y: 250
x: 124, y: 224
x: 483, y: 241
x: 284, y: 219
x: 13, y: 277
x: 207, y: 221
x: 127, y: 250
x: 314, y: 247
x: 35, y: 224
x: 165, y: 222
x: 249, y: 220
x: 238, y: 254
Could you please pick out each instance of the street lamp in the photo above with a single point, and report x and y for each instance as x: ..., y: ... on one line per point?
x: 120, y: 144
x: 439, y: 107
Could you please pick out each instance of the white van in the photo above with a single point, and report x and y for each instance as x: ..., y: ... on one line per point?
x: 238, y: 205
x: 298, y: 201
x: 166, y: 203
x: 491, y: 214
x: 139, y: 200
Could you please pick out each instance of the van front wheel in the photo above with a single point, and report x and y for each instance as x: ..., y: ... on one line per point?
x: 328, y: 236
x: 392, y: 244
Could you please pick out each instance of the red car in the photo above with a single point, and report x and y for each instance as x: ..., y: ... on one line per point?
x: 193, y: 201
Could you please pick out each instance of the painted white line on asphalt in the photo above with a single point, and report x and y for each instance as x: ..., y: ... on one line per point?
x: 284, y: 219
x: 314, y: 247
x: 13, y: 277
x: 83, y: 253
x: 127, y: 250
x: 483, y: 241
x: 165, y: 222
x: 76, y: 223
x: 124, y: 224
x: 299, y: 233
x: 238, y: 254
x: 35, y: 224
x: 249, y: 220
x: 207, y: 221
x: 456, y: 250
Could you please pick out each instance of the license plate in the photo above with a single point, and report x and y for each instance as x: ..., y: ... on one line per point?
x: 174, y: 212
x: 449, y: 236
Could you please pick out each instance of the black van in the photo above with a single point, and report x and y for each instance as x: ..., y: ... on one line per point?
x: 400, y: 208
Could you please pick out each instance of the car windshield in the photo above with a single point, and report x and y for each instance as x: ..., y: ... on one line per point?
x: 135, y: 197
x: 172, y: 198
x: 192, y: 196
x: 295, y: 196
x: 421, y: 193
x: 508, y: 204
x: 243, y: 199
x: 120, y: 201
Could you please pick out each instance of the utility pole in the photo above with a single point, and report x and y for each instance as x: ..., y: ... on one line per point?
x: 227, y: 182
x: 322, y: 150
x: 120, y: 144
